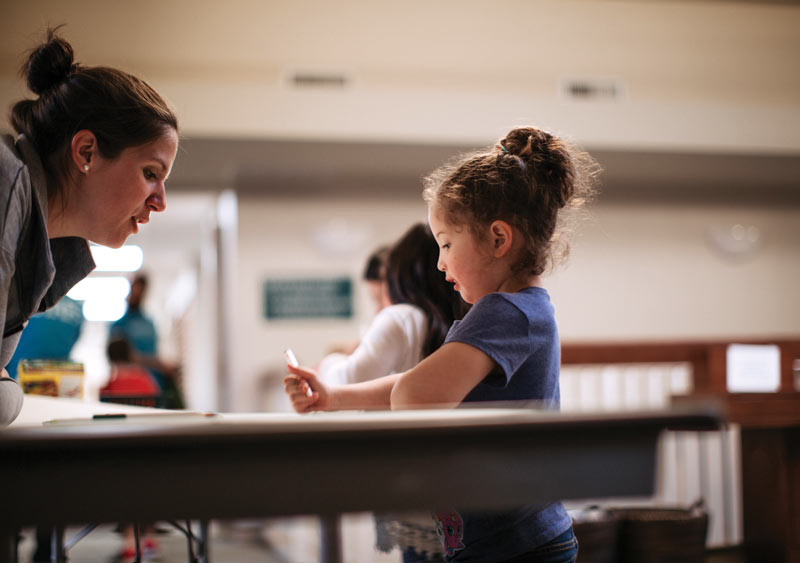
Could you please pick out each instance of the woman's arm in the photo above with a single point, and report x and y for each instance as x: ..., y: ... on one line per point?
x: 443, y: 379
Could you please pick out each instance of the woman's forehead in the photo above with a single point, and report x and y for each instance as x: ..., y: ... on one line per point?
x: 162, y: 149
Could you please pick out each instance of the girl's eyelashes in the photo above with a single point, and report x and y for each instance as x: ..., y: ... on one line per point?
x: 149, y: 174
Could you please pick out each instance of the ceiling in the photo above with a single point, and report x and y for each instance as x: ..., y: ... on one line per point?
x: 281, y: 168
x: 726, y: 51
x: 704, y: 96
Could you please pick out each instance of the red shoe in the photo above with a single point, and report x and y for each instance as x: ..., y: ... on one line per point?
x: 127, y: 555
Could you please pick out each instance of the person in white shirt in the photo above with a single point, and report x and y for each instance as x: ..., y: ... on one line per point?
x: 422, y: 307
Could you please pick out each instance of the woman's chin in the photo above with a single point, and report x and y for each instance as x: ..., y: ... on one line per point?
x: 111, y: 241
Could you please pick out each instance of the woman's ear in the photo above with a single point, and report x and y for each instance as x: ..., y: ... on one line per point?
x: 501, y: 236
x: 83, y: 150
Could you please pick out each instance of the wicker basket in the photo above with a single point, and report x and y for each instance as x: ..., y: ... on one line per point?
x: 597, y: 533
x: 662, y: 535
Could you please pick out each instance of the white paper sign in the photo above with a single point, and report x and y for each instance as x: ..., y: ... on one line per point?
x: 753, y: 368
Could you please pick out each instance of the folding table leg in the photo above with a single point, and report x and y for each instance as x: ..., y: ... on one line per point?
x: 330, y: 538
x: 202, y: 544
x: 57, y: 552
x: 137, y: 542
x: 9, y: 537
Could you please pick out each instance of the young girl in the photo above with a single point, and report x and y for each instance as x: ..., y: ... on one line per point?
x: 494, y: 216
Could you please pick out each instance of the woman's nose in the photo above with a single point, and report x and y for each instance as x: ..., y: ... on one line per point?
x: 158, y: 200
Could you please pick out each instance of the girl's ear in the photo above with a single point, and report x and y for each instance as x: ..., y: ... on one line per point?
x: 83, y: 149
x: 501, y: 236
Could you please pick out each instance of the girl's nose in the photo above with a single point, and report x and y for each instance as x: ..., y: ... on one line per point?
x: 440, y: 264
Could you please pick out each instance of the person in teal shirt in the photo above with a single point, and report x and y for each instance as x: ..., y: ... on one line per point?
x: 49, y: 335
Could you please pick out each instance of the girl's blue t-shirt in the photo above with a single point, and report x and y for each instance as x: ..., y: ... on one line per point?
x: 518, y: 331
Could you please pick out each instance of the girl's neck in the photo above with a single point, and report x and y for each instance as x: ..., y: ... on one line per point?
x: 520, y: 282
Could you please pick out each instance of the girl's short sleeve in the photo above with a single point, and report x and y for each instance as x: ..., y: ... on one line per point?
x: 499, y: 329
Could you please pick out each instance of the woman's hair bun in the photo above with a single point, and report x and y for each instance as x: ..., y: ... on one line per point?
x: 49, y: 64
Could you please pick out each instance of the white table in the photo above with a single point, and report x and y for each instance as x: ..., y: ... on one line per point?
x: 262, y: 465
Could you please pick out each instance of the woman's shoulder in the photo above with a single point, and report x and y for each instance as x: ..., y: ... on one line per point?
x: 16, y: 195
x: 10, y: 162
x: 402, y: 311
x: 402, y: 317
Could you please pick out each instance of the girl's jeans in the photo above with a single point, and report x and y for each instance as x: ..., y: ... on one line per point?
x: 562, y: 549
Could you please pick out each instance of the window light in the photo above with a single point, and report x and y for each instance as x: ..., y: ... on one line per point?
x: 103, y: 297
x: 128, y: 258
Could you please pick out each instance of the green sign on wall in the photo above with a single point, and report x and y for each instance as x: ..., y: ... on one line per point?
x: 315, y: 298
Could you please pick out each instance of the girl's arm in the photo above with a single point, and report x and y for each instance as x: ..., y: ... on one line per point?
x: 443, y: 379
x: 367, y: 395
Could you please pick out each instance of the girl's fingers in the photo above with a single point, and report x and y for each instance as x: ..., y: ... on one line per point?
x: 292, y: 384
x: 290, y: 381
x: 301, y: 371
x: 299, y: 393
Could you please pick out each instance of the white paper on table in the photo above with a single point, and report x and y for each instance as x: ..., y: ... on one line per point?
x: 753, y: 368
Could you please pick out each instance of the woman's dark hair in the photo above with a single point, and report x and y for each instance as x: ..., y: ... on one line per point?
x: 525, y: 180
x: 121, y: 110
x: 376, y: 264
x: 412, y: 277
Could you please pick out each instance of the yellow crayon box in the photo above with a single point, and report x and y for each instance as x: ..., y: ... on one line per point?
x: 49, y: 377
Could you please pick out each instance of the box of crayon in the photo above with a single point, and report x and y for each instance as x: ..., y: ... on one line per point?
x: 53, y: 378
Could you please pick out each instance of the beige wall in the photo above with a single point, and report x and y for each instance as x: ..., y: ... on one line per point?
x: 644, y: 272
x: 705, y: 75
x: 636, y: 272
x: 286, y: 239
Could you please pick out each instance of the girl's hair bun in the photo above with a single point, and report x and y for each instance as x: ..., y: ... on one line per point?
x: 549, y: 159
x: 49, y: 64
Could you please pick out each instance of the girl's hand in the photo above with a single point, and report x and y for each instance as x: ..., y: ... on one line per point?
x: 304, y: 389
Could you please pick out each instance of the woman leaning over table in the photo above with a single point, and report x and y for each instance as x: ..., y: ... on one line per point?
x: 89, y: 162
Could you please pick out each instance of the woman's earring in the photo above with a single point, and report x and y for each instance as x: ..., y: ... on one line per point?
x: 85, y: 167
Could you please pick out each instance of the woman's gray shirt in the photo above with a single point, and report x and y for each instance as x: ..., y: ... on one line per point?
x: 35, y: 271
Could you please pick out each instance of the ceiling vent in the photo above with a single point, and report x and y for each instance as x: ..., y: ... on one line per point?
x: 327, y: 80
x: 592, y: 89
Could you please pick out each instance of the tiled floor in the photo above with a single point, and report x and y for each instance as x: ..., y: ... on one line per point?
x: 103, y: 545
x: 282, y: 541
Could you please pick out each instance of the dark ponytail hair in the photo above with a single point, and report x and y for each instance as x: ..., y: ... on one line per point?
x: 374, y: 271
x: 121, y: 110
x: 526, y: 179
x: 412, y: 277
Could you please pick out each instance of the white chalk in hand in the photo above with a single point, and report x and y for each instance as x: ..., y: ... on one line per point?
x: 292, y: 361
x: 290, y: 358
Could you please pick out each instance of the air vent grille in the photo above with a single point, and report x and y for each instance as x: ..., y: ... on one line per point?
x: 314, y: 79
x: 592, y: 89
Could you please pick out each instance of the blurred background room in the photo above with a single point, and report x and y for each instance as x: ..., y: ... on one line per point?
x: 306, y: 127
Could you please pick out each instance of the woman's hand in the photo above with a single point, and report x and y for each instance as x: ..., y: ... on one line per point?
x: 305, y: 390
